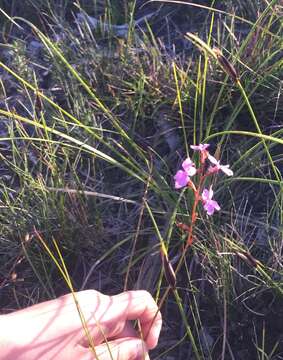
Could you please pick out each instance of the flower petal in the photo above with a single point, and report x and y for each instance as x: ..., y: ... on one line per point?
x: 218, y: 166
x: 205, y: 195
x: 189, y: 167
x: 210, y: 193
x: 213, y: 160
x: 226, y: 170
x: 200, y: 147
x: 210, y: 206
x: 181, y: 179
x: 215, y: 205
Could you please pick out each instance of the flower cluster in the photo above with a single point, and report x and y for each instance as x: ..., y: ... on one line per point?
x: 183, y: 176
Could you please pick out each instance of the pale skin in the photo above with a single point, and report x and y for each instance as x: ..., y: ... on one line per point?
x: 53, y: 330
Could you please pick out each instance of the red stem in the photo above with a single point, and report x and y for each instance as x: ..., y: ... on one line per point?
x: 194, y: 213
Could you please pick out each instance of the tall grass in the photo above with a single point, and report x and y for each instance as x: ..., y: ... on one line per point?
x: 94, y: 127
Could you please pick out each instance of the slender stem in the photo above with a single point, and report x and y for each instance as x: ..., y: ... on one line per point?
x: 275, y: 170
x: 194, y: 208
x: 224, y: 328
x: 184, y: 318
x: 193, y: 220
x: 180, y: 263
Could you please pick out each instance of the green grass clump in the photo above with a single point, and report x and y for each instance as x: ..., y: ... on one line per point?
x: 93, y: 127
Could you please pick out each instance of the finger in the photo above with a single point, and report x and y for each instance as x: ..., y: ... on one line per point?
x: 105, y: 316
x: 120, y: 349
x: 62, y: 313
x: 109, y: 333
x: 128, y: 331
x: 108, y: 321
x: 139, y: 305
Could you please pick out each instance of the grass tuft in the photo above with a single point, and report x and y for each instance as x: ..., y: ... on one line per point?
x: 99, y: 102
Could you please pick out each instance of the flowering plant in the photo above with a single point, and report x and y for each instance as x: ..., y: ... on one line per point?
x: 201, y: 193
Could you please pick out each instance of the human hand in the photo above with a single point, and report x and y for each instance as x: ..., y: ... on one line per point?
x: 53, y: 329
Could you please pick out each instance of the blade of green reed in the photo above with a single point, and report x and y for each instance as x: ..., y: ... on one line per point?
x: 180, y: 107
x: 175, y: 292
x: 49, y: 44
x: 83, y: 320
x: 196, y: 100
x: 204, y: 78
x: 206, y: 48
x: 245, y: 133
x: 82, y: 145
x: 132, y: 162
x: 244, y: 43
x: 42, y: 283
x: 62, y: 269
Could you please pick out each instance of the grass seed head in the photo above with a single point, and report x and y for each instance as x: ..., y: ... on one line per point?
x: 226, y: 65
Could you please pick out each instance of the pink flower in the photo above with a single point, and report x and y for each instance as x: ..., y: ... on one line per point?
x: 209, y: 204
x: 182, y: 177
x: 203, y: 152
x: 200, y: 147
x: 218, y: 166
x: 189, y: 167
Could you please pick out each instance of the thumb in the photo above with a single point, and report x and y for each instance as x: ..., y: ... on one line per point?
x: 129, y: 348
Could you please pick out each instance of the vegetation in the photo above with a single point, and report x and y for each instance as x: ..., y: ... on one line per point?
x: 99, y: 104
